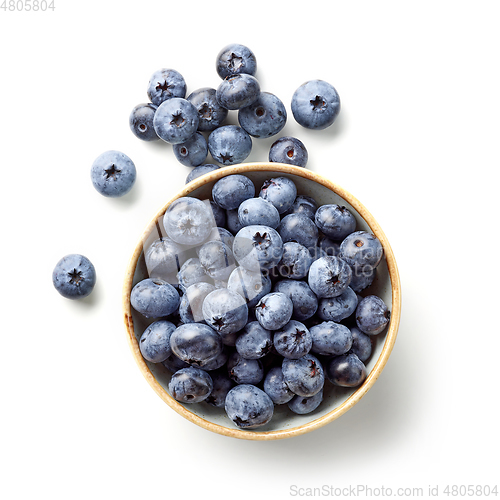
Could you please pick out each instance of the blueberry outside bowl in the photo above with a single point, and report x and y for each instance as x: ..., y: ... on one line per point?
x: 337, y: 400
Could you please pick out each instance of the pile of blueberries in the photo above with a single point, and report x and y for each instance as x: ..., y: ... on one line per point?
x: 253, y: 300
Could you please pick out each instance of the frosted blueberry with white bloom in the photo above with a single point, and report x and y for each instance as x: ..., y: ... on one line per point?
x: 113, y: 173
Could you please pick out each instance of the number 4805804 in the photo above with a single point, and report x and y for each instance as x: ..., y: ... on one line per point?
x: 27, y: 5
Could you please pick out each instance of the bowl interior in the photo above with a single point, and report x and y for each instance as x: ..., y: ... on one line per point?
x: 337, y: 400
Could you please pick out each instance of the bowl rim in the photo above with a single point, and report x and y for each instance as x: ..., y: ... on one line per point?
x: 391, y: 332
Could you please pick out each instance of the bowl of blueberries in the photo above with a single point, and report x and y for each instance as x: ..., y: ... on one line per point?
x: 262, y: 301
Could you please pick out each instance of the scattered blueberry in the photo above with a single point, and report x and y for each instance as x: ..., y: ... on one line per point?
x: 335, y: 221
x: 230, y: 191
x: 113, y: 174
x: 265, y: 117
x: 229, y: 144
x: 346, y: 370
x: 248, y: 406
x: 200, y: 170
x: 141, y: 122
x: 372, y: 315
x: 154, y: 298
x: 234, y: 59
x: 192, y: 152
x: 190, y: 385
x: 238, y: 91
x: 74, y: 276
x: 289, y: 150
x: 280, y: 191
x: 155, y: 341
x: 176, y: 120
x: 210, y: 113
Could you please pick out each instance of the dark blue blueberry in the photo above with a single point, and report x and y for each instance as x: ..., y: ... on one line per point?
x: 300, y: 229
x: 244, y: 371
x: 192, y: 152
x: 190, y: 385
x: 74, y: 276
x: 155, y: 341
x: 228, y: 192
x: 217, y: 259
x: 229, y: 144
x: 362, y: 278
x: 238, y: 91
x: 305, y: 302
x: 274, y: 310
x: 335, y: 221
x: 217, y: 362
x: 195, y: 343
x: 254, y: 341
x: 361, y: 250
x: 372, y: 315
x: 173, y: 363
x: 211, y: 114
x: 329, y: 246
x: 302, y: 406
x: 234, y: 59
x: 221, y: 234
x: 346, y: 370
x: 248, y: 406
x: 192, y: 272
x: 113, y: 174
x: 295, y: 262
x: 275, y: 386
x: 361, y: 344
x: 220, y: 217
x: 315, y: 104
x: 303, y: 376
x: 232, y: 221
x: 154, y: 298
x: 190, y: 307
x: 225, y: 311
x: 222, y: 384
x: 329, y: 276
x: 251, y: 285
x: 265, y: 117
x: 188, y: 221
x: 293, y: 340
x: 201, y: 170
x: 280, y: 191
x: 289, y: 150
x: 258, y: 247
x: 257, y: 211
x: 330, y: 338
x: 165, y: 84
x: 303, y: 205
x: 141, y: 122
x: 164, y: 257
x: 338, y: 308
x: 176, y: 120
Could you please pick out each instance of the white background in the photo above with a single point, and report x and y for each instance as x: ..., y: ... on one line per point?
x: 416, y: 142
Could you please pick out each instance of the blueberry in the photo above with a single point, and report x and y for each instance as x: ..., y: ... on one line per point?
x: 232, y: 221
x: 192, y: 272
x: 176, y: 120
x: 234, y: 59
x: 222, y: 384
x: 361, y: 344
x: 187, y: 221
x: 265, y: 117
x: 361, y: 250
x: 362, y: 278
x: 238, y: 91
x: 217, y: 259
x: 251, y: 285
x: 329, y: 246
x: 221, y: 234
x: 295, y: 262
x: 254, y: 342
x: 275, y: 386
x: 201, y: 170
x: 257, y: 247
x: 303, y: 205
x: 192, y: 152
x: 190, y: 307
x: 74, y: 276
x: 305, y: 302
x: 300, y: 229
x: 315, y: 104
x: 335, y: 221
x: 304, y: 376
x: 346, y: 370
x: 141, y: 122
x: 210, y: 113
x: 228, y: 192
x: 164, y: 257
x: 195, y: 343
x: 113, y: 174
x: 190, y: 385
x: 372, y: 315
x: 173, y: 363
x: 338, y: 308
x: 155, y: 341
x: 165, y: 84
x: 289, y: 150
x: 293, y: 340
x: 302, y: 406
x: 280, y: 191
x: 329, y: 338
x: 244, y: 371
x: 225, y: 311
x: 154, y: 298
x: 219, y: 217
x: 274, y: 310
x: 248, y: 406
x: 229, y: 144
x: 257, y: 211
x: 217, y: 362
x: 329, y: 276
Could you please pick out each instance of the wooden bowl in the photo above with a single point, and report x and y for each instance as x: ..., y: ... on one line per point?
x: 337, y: 400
